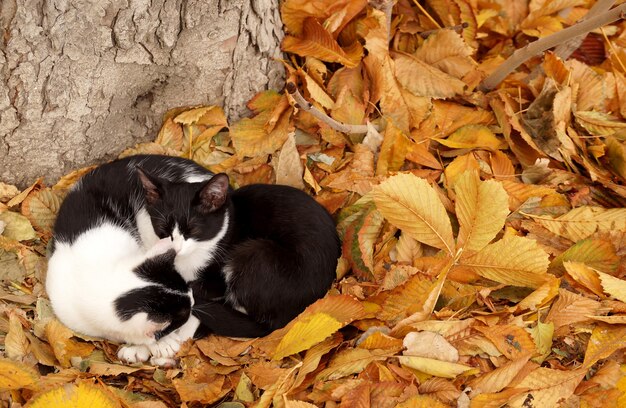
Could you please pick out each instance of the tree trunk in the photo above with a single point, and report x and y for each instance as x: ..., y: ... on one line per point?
x: 80, y: 80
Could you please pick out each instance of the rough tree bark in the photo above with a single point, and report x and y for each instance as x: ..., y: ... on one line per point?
x: 80, y: 80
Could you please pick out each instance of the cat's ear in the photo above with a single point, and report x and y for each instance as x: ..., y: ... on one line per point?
x: 151, y: 186
x: 213, y: 193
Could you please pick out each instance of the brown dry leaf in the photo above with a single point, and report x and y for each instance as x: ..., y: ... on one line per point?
x: 395, y: 147
x: 7, y: 192
x: 289, y: 169
x: 421, y: 79
x: 15, y: 343
x: 446, y: 50
x: 41, y: 208
x: 294, y: 12
x: 512, y: 341
x: 582, y: 222
x: 571, y: 308
x: 498, y: 379
x: 63, y: 345
x: 319, y: 43
x: 584, y: 275
x: 547, y: 386
x: 412, y: 205
x: 351, y: 361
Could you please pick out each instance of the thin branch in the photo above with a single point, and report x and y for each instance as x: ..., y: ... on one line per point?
x: 539, y: 46
x: 306, y: 106
x: 457, y: 28
x: 563, y: 51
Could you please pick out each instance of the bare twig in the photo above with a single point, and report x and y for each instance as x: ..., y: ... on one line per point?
x: 306, y: 106
x: 566, y: 49
x: 539, y: 46
x: 460, y: 27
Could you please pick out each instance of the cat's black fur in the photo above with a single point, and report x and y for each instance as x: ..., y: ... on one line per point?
x: 280, y: 255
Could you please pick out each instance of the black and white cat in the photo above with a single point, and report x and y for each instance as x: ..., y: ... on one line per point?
x: 255, y: 257
x: 105, y: 280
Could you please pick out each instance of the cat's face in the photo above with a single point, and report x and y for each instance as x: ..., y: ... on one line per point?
x: 187, y: 213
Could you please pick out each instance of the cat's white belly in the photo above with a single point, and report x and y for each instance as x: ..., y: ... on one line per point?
x: 85, y: 278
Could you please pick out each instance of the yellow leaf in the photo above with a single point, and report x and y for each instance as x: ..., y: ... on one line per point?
x: 41, y: 209
x: 395, y: 147
x: 17, y: 226
x: 64, y: 347
x: 72, y: 396
x: 379, y: 340
x: 616, y: 153
x: 413, y: 206
x: 70, y: 179
x: 15, y: 342
x: 513, y: 261
x: 460, y: 165
x: 540, y: 296
x: 328, y: 314
x: 251, y: 139
x: 15, y: 375
x: 482, y: 208
x: 585, y: 276
x: 319, y: 43
x: 316, y: 92
x: 7, y: 191
x: 473, y: 137
x: 306, y: 333
x: 405, y: 299
x: 437, y: 368
x: 548, y: 387
x: 604, y: 341
x: 542, y: 334
x: 613, y: 286
x: 351, y: 361
x: 289, y: 169
x: 499, y: 378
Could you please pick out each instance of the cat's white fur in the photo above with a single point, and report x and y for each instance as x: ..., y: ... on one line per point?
x: 85, y: 278
x: 193, y: 255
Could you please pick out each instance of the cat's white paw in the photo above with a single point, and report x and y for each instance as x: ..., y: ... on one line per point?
x: 134, y: 354
x: 167, y: 347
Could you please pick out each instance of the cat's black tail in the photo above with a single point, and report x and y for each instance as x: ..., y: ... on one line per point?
x: 218, y: 318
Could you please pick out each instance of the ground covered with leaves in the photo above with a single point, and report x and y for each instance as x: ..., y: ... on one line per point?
x: 484, y: 234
